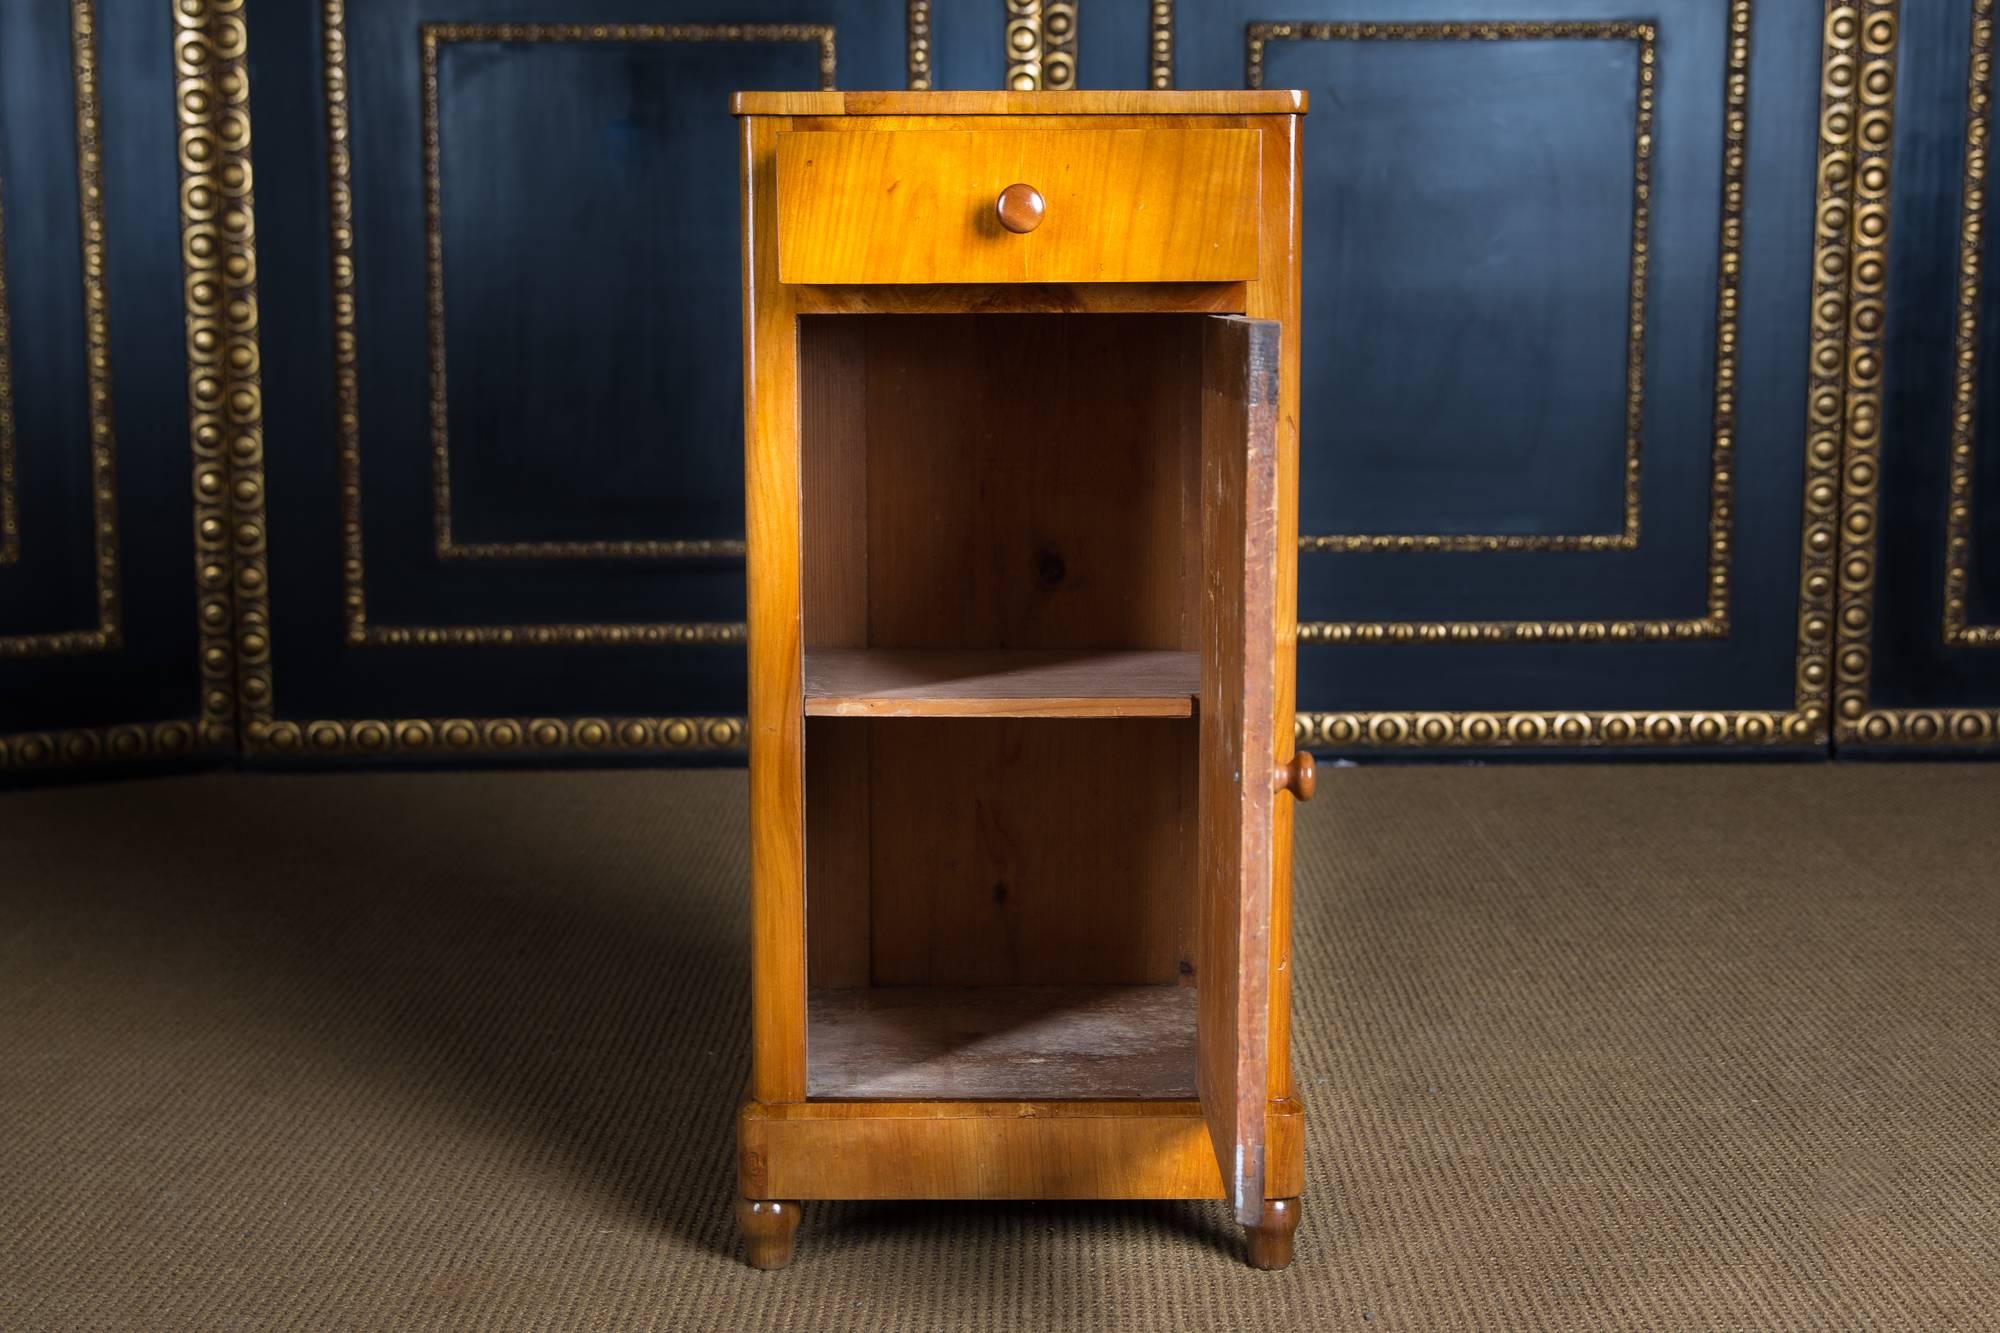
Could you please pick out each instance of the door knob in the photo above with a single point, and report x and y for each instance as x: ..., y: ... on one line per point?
x: 1020, y: 208
x: 1298, y: 777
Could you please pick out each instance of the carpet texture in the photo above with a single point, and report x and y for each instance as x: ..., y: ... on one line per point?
x: 1662, y: 1048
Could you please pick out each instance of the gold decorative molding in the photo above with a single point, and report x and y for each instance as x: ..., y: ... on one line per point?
x: 1509, y: 631
x: 1932, y: 728
x: 1259, y: 33
x: 1864, y: 85
x: 97, y: 376
x: 30, y: 751
x: 1024, y: 45
x: 917, y: 37
x: 1059, y: 45
x: 345, y: 283
x: 1965, y: 350
x: 1859, y: 94
x: 225, y: 388
x: 1828, y: 370
x: 1041, y: 45
x: 346, y: 333
x: 818, y: 34
x: 552, y: 636
x: 504, y: 735
x: 1160, y: 45
x: 1523, y: 730
x: 1714, y: 623
x: 641, y: 548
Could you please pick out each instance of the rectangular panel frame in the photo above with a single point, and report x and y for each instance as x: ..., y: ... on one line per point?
x: 1714, y: 622
x: 104, y: 636
x: 1965, y: 351
x: 1805, y: 722
x: 435, y: 36
x: 360, y: 630
x: 1871, y: 30
x: 266, y: 733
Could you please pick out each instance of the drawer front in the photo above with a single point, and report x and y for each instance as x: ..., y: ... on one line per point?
x: 892, y: 206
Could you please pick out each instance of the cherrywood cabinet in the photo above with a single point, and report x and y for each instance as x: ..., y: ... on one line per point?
x: 1021, y: 455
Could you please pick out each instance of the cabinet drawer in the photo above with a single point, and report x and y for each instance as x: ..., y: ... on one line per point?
x: 891, y: 206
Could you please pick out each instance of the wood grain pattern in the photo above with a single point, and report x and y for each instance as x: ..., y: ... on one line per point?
x: 1191, y: 102
x: 833, y: 478
x: 1004, y: 1042
x: 833, y: 446
x: 1238, y: 680
x: 769, y: 1228
x: 1028, y: 481
x: 1035, y: 410
x: 1020, y: 208
x: 883, y: 682
x: 775, y: 615
x: 1269, y: 1239
x: 998, y: 1150
x: 1277, y: 298
x: 1300, y: 777
x: 838, y: 857
x: 919, y: 206
x: 1031, y: 852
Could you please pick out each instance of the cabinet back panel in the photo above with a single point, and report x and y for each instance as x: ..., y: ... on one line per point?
x: 1028, y: 852
x: 837, y: 852
x: 1029, y: 481
x: 833, y: 482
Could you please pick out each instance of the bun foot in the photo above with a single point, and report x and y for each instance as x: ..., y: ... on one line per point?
x: 769, y: 1226
x: 1271, y: 1237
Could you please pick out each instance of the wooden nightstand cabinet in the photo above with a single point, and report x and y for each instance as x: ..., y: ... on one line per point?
x: 1022, y: 450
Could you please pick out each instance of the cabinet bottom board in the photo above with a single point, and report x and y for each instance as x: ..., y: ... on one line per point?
x: 978, y: 1042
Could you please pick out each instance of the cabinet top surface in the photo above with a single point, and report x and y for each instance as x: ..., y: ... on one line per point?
x: 1218, y: 102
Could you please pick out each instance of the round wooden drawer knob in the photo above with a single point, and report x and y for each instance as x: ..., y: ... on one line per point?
x: 1020, y: 208
x: 1299, y: 777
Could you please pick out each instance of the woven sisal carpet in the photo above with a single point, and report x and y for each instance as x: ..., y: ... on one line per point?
x: 1662, y: 1048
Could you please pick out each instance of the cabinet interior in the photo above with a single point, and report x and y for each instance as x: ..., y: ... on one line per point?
x: 1001, y: 589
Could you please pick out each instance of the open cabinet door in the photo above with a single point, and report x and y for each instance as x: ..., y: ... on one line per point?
x: 1239, y: 556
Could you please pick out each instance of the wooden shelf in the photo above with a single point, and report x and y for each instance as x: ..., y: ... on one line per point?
x: 1008, y: 1042
x: 886, y: 682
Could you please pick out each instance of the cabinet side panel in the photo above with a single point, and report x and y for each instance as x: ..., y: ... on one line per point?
x: 1276, y: 296
x: 777, y: 707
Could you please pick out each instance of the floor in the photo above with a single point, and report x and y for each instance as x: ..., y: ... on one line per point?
x: 1618, y: 1047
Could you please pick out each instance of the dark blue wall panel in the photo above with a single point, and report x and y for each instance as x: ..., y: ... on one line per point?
x: 1539, y: 250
